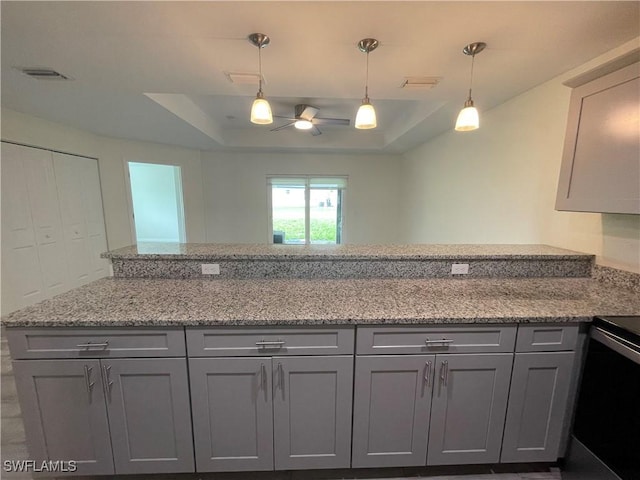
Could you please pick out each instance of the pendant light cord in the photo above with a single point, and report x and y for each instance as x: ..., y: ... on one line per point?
x: 260, y: 69
x: 473, y: 57
x: 366, y: 80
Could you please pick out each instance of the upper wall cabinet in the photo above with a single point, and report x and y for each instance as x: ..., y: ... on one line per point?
x: 601, y: 161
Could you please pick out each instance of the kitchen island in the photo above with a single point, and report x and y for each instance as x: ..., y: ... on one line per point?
x: 274, y: 357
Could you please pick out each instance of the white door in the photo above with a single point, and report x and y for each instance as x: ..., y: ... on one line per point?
x: 21, y: 280
x: 82, y: 217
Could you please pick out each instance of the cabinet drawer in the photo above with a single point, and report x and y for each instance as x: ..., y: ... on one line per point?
x: 546, y: 337
x: 29, y: 343
x: 433, y: 339
x: 243, y: 342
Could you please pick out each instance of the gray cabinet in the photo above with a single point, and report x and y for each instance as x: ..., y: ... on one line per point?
x: 392, y: 406
x: 149, y: 414
x: 232, y: 411
x: 537, y: 404
x: 312, y: 412
x: 600, y: 169
x: 63, y: 407
x: 258, y: 404
x: 263, y: 413
x: 468, y: 409
x: 112, y: 415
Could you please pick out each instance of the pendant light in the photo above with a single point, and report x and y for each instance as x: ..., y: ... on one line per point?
x: 468, y: 118
x: 260, y: 110
x: 366, y: 116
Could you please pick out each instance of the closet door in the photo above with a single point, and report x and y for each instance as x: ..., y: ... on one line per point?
x: 21, y: 278
x: 45, y: 214
x: 82, y: 217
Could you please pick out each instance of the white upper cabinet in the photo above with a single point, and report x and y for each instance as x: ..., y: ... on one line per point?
x: 601, y: 161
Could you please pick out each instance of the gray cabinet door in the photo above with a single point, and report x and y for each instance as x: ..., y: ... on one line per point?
x: 468, y: 409
x: 392, y: 405
x: 149, y: 414
x: 231, y: 401
x: 312, y: 412
x: 537, y: 405
x: 65, y: 417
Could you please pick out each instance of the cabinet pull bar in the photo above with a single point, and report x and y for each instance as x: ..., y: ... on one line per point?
x: 104, y: 344
x: 427, y: 374
x: 106, y: 369
x: 444, y: 340
x: 87, y: 380
x: 444, y: 368
x: 265, y: 343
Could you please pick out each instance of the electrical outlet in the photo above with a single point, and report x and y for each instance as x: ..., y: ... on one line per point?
x: 459, y: 268
x: 210, y: 269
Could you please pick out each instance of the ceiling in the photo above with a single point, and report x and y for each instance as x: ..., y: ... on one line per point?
x: 156, y: 71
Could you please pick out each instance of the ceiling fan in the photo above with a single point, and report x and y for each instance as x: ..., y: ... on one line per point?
x: 305, y: 119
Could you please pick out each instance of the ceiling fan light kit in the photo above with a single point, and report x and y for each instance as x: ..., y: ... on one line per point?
x: 468, y: 118
x: 260, y: 109
x: 366, y: 116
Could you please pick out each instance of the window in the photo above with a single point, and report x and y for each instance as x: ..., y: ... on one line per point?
x: 306, y: 210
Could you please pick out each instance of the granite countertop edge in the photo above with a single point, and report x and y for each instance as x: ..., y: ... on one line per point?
x: 159, y: 323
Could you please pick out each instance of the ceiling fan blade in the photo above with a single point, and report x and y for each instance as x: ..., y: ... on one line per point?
x: 315, y: 131
x: 285, y: 118
x: 282, y: 127
x: 307, y: 113
x: 331, y: 121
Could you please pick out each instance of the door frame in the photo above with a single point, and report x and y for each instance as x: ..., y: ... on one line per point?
x: 182, y: 219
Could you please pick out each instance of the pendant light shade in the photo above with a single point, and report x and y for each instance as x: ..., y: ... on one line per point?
x: 366, y: 116
x: 260, y: 109
x: 468, y: 118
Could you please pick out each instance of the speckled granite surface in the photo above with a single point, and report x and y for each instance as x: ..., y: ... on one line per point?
x: 162, y: 260
x: 617, y: 278
x: 335, y: 268
x: 203, y: 251
x: 157, y: 302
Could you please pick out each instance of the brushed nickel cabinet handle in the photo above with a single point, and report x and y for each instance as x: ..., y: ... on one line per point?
x: 272, y: 344
x: 444, y: 372
x: 106, y: 378
x: 104, y: 344
x: 87, y: 380
x: 431, y: 342
x: 427, y: 374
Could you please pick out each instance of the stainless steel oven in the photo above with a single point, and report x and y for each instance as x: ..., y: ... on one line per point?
x: 607, y: 420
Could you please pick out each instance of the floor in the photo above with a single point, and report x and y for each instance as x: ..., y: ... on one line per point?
x: 13, y: 447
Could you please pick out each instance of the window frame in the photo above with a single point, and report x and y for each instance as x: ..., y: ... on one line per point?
x: 306, y: 180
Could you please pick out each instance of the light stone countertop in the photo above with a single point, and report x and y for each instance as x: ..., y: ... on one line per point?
x: 161, y: 302
x: 257, y: 252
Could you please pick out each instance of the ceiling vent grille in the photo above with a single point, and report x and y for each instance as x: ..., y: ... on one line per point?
x: 420, y: 82
x: 244, y: 78
x: 42, y: 73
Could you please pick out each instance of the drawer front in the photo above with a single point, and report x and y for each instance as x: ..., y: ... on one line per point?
x: 546, y: 337
x: 244, y: 342
x: 434, y: 339
x: 30, y: 343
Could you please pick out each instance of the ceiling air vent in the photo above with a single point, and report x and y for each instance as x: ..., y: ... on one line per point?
x: 42, y: 73
x: 420, y: 82
x: 244, y: 78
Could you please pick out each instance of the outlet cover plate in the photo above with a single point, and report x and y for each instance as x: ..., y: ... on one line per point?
x: 459, y: 268
x: 210, y: 269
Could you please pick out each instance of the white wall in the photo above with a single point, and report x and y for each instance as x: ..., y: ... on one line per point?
x: 236, y: 193
x: 112, y: 155
x: 225, y: 196
x: 498, y: 184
